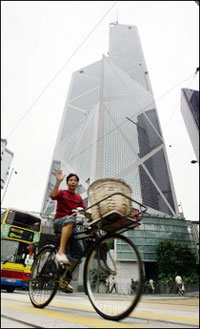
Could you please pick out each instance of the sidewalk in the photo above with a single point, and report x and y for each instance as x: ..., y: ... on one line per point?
x: 187, y: 295
x: 193, y: 294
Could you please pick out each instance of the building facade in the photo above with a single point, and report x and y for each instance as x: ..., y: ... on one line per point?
x: 190, y: 113
x: 110, y: 127
x: 6, y: 160
x: 148, y: 235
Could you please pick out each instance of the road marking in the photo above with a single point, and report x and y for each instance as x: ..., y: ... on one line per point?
x: 182, y: 302
x: 91, y: 322
x: 10, y: 320
x: 147, y: 315
x: 155, y: 316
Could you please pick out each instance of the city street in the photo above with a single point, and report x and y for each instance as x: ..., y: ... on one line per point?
x: 75, y: 311
x: 100, y: 164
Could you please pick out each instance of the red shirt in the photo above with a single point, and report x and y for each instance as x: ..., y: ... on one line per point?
x: 66, y: 201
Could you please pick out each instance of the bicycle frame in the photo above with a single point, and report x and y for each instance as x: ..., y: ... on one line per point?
x: 92, y: 231
x: 101, y: 263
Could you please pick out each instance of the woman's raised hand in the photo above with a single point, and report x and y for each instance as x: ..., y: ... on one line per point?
x: 59, y: 175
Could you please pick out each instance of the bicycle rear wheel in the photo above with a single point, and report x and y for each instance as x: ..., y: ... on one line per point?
x: 115, y: 257
x: 44, y: 278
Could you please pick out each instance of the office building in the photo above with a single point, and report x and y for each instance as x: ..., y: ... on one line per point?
x: 6, y: 160
x: 110, y: 127
x: 190, y: 113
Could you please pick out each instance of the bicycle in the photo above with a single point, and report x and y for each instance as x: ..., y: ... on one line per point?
x: 104, y: 259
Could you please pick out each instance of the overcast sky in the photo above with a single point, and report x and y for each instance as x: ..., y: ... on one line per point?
x: 39, y: 37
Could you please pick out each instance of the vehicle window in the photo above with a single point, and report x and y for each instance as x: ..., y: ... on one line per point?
x: 23, y: 220
x: 2, y: 216
x: 9, y: 250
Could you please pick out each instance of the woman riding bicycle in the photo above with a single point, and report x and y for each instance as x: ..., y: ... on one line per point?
x: 65, y: 219
x: 102, y: 241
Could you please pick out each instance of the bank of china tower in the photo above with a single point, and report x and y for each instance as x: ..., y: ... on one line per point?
x: 110, y: 127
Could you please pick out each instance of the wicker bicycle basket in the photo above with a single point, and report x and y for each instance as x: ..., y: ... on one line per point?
x: 101, y: 189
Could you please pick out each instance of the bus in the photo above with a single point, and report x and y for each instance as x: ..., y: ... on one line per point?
x: 20, y: 232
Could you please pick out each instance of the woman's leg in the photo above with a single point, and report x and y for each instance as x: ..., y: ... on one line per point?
x: 65, y: 235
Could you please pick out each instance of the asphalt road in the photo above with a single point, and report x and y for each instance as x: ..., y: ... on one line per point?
x: 75, y: 311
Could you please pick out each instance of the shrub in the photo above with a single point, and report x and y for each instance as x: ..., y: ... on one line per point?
x: 175, y: 257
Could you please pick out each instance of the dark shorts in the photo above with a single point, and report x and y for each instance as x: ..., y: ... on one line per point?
x: 74, y: 249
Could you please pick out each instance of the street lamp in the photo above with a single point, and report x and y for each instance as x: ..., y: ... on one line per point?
x: 13, y: 169
x: 193, y: 161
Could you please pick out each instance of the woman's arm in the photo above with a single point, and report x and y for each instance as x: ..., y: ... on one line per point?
x: 59, y: 179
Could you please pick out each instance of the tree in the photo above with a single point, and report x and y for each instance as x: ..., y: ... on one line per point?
x: 175, y: 257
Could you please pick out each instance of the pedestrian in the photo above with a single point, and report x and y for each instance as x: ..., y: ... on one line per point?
x: 107, y: 285
x: 133, y: 286
x: 146, y: 286
x: 30, y: 256
x: 152, y: 286
x: 179, y: 283
x: 113, y: 285
x: 65, y: 219
x: 183, y: 288
x: 170, y: 282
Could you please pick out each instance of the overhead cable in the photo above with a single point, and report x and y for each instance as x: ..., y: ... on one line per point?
x: 59, y: 71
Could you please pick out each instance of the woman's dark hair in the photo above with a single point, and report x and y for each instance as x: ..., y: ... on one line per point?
x: 70, y: 175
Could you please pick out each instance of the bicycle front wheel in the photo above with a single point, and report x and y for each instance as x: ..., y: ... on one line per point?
x: 108, y: 271
x: 44, y: 278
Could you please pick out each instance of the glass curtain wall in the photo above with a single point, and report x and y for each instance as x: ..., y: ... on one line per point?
x: 110, y: 127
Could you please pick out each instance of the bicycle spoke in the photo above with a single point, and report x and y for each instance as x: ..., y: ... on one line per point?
x: 117, y: 300
x: 43, y: 284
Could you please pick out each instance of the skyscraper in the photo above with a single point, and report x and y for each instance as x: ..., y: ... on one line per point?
x: 6, y: 160
x: 190, y: 112
x: 110, y: 127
